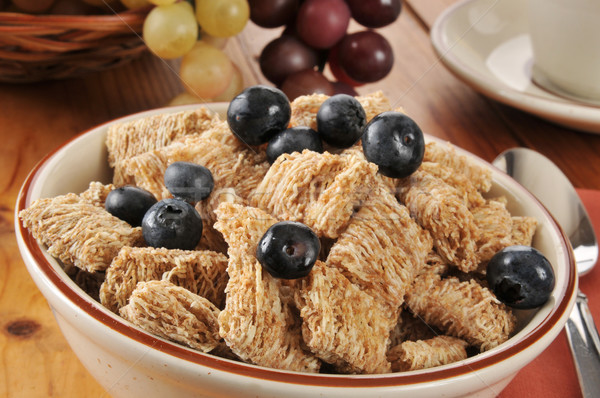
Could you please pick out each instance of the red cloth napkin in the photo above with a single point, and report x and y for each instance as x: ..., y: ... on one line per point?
x: 552, y: 374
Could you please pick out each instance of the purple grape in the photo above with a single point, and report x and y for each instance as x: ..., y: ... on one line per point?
x: 366, y: 56
x: 306, y: 82
x: 322, y: 23
x: 272, y: 13
x: 284, y: 56
x: 375, y: 13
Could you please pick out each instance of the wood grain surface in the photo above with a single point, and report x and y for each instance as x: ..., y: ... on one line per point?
x: 35, y: 359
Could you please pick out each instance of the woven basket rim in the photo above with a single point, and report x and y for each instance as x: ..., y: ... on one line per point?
x: 15, y: 18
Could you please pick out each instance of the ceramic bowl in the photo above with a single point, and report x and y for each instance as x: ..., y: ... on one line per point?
x: 129, y: 362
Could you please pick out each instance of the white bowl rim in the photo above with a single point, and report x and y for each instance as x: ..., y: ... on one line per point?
x: 501, y: 353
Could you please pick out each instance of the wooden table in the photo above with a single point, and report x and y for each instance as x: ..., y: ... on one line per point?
x: 35, y: 359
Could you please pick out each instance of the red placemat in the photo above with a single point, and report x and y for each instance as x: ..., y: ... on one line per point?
x: 552, y: 374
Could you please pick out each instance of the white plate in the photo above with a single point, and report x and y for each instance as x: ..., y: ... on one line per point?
x: 486, y: 44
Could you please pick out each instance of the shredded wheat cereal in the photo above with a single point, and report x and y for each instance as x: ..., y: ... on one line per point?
x: 397, y: 288
x: 201, y: 272
x: 271, y: 333
x: 174, y: 313
x: 438, y: 208
x: 320, y: 190
x: 447, y: 156
x: 129, y: 139
x: 423, y: 354
x: 382, y: 250
x: 461, y: 309
x: 341, y: 324
x: 78, y: 233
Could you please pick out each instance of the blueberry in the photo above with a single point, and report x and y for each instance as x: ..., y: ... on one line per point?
x: 288, y: 250
x: 129, y: 203
x: 294, y: 139
x: 173, y: 224
x: 520, y: 276
x: 258, y: 113
x: 395, y: 143
x: 191, y: 182
x: 341, y: 120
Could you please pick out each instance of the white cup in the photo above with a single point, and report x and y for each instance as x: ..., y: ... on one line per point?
x: 565, y: 37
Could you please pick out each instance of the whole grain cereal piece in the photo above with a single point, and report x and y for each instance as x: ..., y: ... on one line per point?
x: 341, y: 324
x: 174, y: 313
x: 96, y: 193
x: 211, y: 238
x: 230, y: 167
x: 79, y: 233
x: 523, y: 230
x: 461, y: 309
x: 447, y: 156
x: 423, y: 354
x: 495, y: 226
x: 305, y: 107
x: 321, y: 190
x: 233, y: 169
x: 438, y: 208
x: 145, y: 171
x: 128, y: 139
x: 258, y: 323
x: 382, y: 250
x: 201, y: 272
x: 463, y: 185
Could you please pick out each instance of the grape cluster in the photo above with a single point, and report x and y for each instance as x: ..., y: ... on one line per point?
x: 316, y: 34
x: 195, y: 31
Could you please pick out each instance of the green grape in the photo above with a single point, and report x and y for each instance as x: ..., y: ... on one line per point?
x: 223, y: 18
x: 205, y: 71
x: 170, y: 31
x: 235, y: 87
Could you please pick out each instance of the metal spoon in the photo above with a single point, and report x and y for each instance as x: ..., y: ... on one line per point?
x: 548, y: 183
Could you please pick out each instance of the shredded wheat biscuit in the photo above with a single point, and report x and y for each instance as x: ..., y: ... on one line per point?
x: 523, y: 229
x: 438, y: 208
x: 96, y: 193
x: 341, y: 324
x: 381, y: 250
x: 423, y: 354
x: 463, y: 185
x: 174, y: 313
x: 231, y: 168
x: 79, y: 233
x: 257, y: 323
x: 495, y: 226
x: 200, y: 272
x: 321, y: 190
x: 125, y: 140
x: 447, y: 156
x: 461, y: 309
x: 211, y: 238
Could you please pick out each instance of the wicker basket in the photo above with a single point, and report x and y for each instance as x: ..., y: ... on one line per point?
x: 44, y: 47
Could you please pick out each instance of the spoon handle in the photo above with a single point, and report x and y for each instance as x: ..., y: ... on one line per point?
x: 585, y: 346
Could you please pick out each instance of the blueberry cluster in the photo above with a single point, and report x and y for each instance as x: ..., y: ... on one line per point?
x: 392, y: 140
x: 171, y: 223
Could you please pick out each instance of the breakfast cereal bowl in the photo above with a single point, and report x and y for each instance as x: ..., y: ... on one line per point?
x: 129, y: 362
